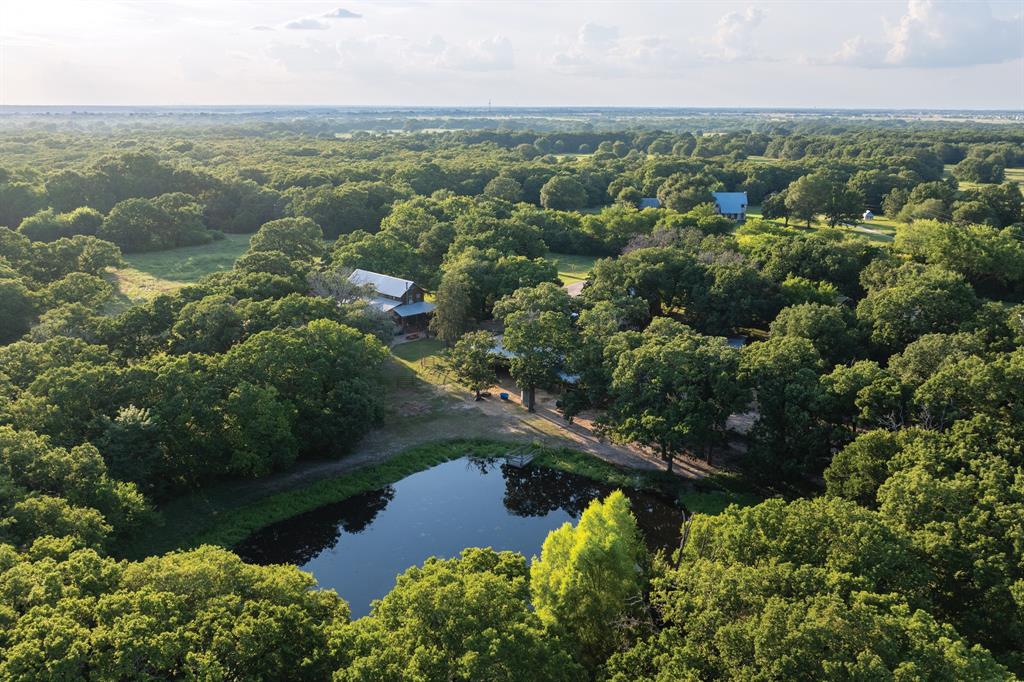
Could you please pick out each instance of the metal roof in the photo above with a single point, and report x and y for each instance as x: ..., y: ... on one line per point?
x: 731, y: 202
x: 499, y: 349
x: 385, y: 285
x: 410, y: 309
x: 649, y: 202
x: 384, y: 304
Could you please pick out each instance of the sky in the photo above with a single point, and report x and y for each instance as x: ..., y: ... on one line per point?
x: 771, y: 53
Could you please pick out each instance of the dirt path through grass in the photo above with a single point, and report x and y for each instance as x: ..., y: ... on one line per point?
x: 424, y: 410
x: 456, y: 416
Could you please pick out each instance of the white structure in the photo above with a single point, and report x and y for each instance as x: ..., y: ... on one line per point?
x: 868, y: 215
x: 732, y: 205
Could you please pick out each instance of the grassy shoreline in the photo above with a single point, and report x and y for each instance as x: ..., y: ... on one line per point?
x: 228, y: 528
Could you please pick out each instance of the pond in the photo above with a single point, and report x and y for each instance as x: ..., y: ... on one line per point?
x: 358, y: 546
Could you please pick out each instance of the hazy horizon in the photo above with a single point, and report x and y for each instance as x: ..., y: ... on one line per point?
x: 485, y: 108
x: 793, y: 54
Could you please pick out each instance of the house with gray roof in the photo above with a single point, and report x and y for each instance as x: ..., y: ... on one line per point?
x: 649, y: 202
x: 403, y: 298
x: 732, y: 205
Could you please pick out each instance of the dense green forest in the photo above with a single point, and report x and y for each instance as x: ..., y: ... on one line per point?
x: 885, y: 373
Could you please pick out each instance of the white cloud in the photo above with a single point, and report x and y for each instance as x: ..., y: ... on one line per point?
x: 601, y: 51
x: 491, y: 54
x: 342, y: 13
x: 858, y: 51
x: 388, y: 56
x: 734, y: 37
x: 938, y: 35
x: 312, y: 56
x: 385, y: 56
x: 596, y: 35
x: 307, y: 24
x: 650, y: 52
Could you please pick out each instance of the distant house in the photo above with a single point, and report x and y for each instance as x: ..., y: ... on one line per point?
x: 402, y: 298
x: 732, y: 205
x: 868, y: 215
x: 649, y: 202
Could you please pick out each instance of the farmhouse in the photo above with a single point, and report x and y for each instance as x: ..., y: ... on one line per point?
x: 402, y: 298
x: 732, y: 205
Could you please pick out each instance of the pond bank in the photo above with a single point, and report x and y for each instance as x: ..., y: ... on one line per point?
x: 358, y: 545
x: 217, y: 518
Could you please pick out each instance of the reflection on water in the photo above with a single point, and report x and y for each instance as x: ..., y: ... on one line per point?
x: 302, y: 538
x: 359, y: 545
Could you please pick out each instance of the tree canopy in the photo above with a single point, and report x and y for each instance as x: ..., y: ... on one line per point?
x: 865, y: 408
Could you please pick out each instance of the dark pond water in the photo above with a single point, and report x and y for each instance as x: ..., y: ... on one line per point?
x: 359, y: 545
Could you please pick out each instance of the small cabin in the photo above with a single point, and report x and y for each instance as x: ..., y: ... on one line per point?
x: 732, y: 205
x: 402, y: 298
x: 868, y: 215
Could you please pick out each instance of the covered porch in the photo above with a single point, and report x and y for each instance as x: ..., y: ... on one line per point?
x: 413, y: 318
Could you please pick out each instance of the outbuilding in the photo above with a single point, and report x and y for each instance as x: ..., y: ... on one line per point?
x: 732, y: 205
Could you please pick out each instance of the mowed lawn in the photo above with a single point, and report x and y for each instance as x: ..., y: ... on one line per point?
x: 146, y: 275
x: 1012, y: 175
x: 1015, y: 175
x: 412, y: 352
x: 879, y: 229
x: 571, y: 267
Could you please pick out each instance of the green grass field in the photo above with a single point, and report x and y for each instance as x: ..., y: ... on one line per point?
x: 419, y: 359
x: 572, y: 268
x: 879, y: 229
x: 411, y: 353
x: 1012, y: 175
x: 572, y: 156
x: 146, y: 275
x: 1015, y: 175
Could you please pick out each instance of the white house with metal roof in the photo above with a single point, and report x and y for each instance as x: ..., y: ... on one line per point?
x: 732, y: 205
x: 403, y: 298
